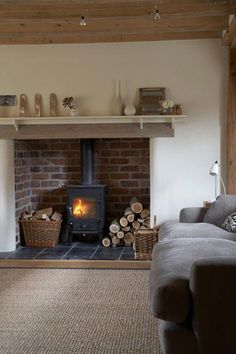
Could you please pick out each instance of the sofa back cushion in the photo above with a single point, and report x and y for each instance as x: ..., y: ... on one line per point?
x: 220, y: 209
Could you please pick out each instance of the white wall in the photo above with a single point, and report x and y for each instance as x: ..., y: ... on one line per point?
x: 7, y: 197
x: 180, y: 166
x: 193, y: 72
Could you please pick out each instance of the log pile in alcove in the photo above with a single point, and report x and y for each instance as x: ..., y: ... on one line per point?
x: 121, y: 231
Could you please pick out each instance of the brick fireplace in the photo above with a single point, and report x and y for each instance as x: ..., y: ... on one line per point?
x: 45, y: 168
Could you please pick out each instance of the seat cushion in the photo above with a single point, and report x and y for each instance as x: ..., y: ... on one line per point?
x: 177, y: 339
x: 170, y: 298
x: 174, y: 230
x: 220, y: 209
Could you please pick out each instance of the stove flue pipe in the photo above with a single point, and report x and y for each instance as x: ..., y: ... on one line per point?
x: 87, y: 161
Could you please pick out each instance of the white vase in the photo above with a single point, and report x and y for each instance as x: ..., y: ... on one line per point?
x: 129, y: 110
x: 74, y: 112
x: 119, y: 109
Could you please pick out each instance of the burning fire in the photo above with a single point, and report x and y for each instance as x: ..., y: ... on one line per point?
x: 80, y: 208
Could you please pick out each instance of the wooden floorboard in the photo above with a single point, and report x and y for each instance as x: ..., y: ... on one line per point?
x: 68, y: 264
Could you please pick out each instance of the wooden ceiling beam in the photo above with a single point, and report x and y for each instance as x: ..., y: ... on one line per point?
x: 58, y: 21
x: 111, y: 9
x: 179, y: 24
x: 102, y: 37
x: 229, y: 37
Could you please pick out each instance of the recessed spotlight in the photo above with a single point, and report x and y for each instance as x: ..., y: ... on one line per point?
x: 82, y: 21
x: 157, y: 14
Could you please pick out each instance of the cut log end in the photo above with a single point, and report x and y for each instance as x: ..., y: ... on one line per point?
x: 106, y: 242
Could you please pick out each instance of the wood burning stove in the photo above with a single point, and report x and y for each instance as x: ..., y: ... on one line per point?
x: 86, y: 201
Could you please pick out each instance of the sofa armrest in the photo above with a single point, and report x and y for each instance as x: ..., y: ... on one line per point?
x: 191, y: 215
x: 213, y: 289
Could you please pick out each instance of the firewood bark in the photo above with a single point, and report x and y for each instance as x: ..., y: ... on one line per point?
x: 128, y: 211
x: 126, y: 229
x: 56, y: 216
x: 135, y: 205
x: 120, y: 234
x: 130, y: 217
x: 115, y: 240
x: 136, y: 225
x: 39, y: 213
x: 141, y: 220
x: 111, y: 234
x: 128, y: 238
x: 106, y: 242
x: 123, y: 222
x: 45, y: 217
x: 145, y: 213
x: 114, y: 227
x: 146, y: 223
x: 28, y: 216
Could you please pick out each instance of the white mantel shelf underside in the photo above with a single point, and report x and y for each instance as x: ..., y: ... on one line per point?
x: 141, y: 120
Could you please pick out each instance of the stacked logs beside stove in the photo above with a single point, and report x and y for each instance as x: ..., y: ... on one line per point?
x: 121, y: 232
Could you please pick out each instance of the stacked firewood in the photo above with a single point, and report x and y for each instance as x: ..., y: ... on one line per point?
x: 46, y: 214
x: 121, y: 232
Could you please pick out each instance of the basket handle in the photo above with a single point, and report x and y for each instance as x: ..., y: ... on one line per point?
x: 155, y: 222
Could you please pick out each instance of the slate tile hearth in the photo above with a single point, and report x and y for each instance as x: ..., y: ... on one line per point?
x: 76, y: 251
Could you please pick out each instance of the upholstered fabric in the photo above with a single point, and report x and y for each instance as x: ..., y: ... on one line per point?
x: 213, y: 288
x: 170, y: 298
x: 220, y: 209
x: 193, y: 282
x: 174, y: 230
x: 177, y: 339
x: 194, y: 214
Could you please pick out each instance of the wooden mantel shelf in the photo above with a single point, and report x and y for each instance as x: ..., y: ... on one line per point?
x: 96, y: 126
x: 141, y: 120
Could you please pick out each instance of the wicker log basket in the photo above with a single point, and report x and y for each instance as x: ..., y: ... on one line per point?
x: 41, y: 233
x: 145, y: 241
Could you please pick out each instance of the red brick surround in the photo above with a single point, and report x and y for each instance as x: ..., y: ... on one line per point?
x: 44, y: 168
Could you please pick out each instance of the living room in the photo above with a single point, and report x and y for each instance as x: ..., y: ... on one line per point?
x: 184, y: 47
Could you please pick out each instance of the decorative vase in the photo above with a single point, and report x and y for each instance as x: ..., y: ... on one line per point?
x: 74, y: 112
x: 129, y: 110
x: 119, y: 103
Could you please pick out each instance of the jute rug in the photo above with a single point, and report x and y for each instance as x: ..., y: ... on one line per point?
x: 76, y: 311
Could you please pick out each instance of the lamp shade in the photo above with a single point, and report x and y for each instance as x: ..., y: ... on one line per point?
x: 214, y: 171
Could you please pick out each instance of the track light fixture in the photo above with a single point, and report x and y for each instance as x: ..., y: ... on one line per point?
x: 157, y: 14
x: 82, y: 21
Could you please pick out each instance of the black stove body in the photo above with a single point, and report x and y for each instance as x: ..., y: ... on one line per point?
x: 86, y: 201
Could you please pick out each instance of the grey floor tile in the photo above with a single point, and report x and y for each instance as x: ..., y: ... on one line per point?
x: 50, y: 255
x: 77, y: 253
x: 4, y: 254
x: 87, y: 245
x: 107, y: 253
x: 19, y: 255
x: 128, y: 250
x: 29, y: 249
x: 54, y: 251
x: 127, y: 257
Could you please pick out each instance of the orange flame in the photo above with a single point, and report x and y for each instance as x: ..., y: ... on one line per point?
x: 79, y: 208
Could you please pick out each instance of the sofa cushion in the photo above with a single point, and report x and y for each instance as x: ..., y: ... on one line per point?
x: 220, y: 209
x: 230, y: 223
x: 174, y: 230
x: 170, y: 298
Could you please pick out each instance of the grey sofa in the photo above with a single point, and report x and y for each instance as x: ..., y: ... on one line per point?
x: 193, y: 282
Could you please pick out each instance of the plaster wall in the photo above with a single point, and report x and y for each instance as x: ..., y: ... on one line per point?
x: 194, y: 74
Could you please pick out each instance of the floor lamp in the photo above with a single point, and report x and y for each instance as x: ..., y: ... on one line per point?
x: 215, y: 171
